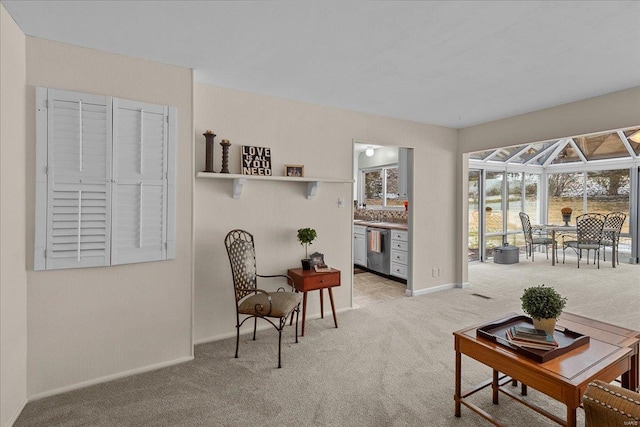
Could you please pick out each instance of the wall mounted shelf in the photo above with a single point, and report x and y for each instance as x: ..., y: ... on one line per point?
x: 240, y: 180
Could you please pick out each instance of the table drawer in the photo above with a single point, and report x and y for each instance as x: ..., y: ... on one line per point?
x: 399, y: 256
x: 399, y: 270
x: 318, y: 281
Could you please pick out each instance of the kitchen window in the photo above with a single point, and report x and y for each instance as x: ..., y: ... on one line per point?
x: 380, y: 187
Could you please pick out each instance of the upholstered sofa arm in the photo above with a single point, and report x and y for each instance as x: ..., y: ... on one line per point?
x: 609, y: 405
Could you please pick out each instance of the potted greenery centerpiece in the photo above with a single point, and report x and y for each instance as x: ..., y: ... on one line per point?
x: 544, y: 305
x: 306, y: 236
x: 566, y: 215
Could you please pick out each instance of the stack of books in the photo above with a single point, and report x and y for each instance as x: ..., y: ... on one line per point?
x: 523, y: 336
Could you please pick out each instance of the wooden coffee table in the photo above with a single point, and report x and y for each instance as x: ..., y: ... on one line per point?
x: 612, y: 352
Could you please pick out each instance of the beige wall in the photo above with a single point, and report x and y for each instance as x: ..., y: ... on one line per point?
x: 91, y: 324
x: 321, y: 138
x: 13, y: 276
x: 615, y: 110
x: 612, y: 111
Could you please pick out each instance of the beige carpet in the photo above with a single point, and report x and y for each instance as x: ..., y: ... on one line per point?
x: 388, y: 364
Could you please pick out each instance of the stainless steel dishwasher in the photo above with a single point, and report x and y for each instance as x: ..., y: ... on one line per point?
x: 379, y: 250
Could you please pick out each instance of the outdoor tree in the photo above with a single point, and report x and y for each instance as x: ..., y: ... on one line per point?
x: 612, y: 180
x: 560, y: 182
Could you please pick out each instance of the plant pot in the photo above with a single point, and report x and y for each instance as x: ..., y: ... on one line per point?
x: 566, y: 218
x: 548, y: 325
x: 306, y: 264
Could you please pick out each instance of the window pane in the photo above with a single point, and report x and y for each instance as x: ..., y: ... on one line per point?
x: 480, y: 155
x: 514, y: 181
x: 608, y: 191
x: 505, y: 154
x: 493, y: 202
x: 567, y: 155
x: 605, y: 146
x: 393, y: 193
x: 633, y: 136
x: 532, y: 203
x: 531, y: 152
x: 494, y: 232
x: 474, y: 215
x: 373, y: 188
x: 565, y: 190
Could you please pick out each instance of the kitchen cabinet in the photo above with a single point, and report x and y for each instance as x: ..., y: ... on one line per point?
x: 399, y: 253
x: 360, y: 245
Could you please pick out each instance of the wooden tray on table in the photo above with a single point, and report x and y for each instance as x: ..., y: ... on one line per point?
x: 567, y: 340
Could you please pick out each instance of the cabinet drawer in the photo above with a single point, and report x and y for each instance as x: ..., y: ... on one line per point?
x: 399, y: 256
x: 399, y: 270
x: 401, y: 246
x: 359, y: 229
x: 399, y: 235
x: 317, y: 281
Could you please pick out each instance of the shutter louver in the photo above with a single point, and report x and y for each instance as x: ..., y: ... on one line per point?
x: 139, y: 198
x: 78, y: 206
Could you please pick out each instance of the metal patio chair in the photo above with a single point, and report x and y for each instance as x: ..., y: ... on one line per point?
x: 589, y: 236
x: 251, y: 301
x: 533, y: 238
x: 612, y: 238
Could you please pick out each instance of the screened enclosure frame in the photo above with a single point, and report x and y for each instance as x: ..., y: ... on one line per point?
x: 589, y: 156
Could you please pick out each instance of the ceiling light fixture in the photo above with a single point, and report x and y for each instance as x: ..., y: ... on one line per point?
x: 369, y: 151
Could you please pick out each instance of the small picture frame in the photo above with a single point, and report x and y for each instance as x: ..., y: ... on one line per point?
x: 317, y: 259
x: 295, y: 171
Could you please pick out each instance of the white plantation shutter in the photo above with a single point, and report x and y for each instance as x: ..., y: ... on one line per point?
x: 105, y: 173
x: 73, y: 187
x: 140, y: 182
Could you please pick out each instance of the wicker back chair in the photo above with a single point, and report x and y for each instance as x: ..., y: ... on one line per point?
x: 607, y: 405
x: 611, y: 238
x: 533, y: 239
x: 252, y: 302
x: 589, y: 236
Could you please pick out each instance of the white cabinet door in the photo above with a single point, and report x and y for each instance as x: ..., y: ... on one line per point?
x: 360, y: 249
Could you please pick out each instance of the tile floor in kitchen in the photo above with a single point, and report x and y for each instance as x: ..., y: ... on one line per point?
x: 369, y: 288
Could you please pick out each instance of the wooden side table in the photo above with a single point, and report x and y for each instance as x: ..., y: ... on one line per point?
x: 308, y: 280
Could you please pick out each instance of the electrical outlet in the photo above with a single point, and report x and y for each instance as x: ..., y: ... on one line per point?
x: 341, y: 202
x: 434, y: 272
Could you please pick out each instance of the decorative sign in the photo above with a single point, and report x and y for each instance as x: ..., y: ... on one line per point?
x: 256, y: 160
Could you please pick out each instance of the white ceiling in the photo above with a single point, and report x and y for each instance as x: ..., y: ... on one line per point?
x: 448, y: 63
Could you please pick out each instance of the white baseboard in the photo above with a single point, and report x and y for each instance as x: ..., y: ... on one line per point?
x: 108, y: 378
x: 17, y: 413
x: 434, y: 289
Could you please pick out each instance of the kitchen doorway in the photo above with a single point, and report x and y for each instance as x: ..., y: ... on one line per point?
x: 383, y: 185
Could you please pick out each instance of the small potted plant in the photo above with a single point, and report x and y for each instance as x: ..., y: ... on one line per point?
x: 566, y: 215
x: 306, y: 236
x: 544, y: 305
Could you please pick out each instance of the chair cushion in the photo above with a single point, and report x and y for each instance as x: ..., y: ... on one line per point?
x: 542, y: 240
x: 582, y: 245
x: 282, y: 303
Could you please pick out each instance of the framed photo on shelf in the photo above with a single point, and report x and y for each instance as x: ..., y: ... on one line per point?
x: 294, y: 170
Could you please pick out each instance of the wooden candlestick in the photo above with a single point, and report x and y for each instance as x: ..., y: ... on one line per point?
x: 209, y: 136
x: 225, y: 155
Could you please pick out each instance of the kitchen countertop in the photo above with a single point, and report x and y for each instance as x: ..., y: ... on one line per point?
x: 377, y: 224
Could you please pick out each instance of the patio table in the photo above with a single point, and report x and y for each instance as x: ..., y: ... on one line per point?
x: 572, y: 229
